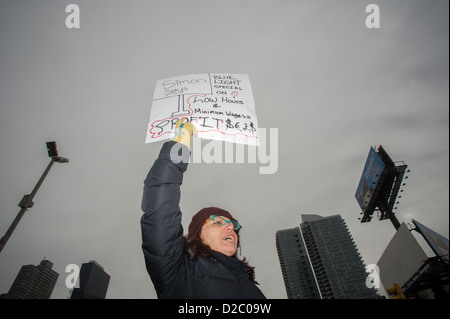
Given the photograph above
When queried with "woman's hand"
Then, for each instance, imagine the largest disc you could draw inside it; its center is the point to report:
(184, 131)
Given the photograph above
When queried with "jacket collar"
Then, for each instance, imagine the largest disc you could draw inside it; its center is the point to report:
(230, 262)
(234, 264)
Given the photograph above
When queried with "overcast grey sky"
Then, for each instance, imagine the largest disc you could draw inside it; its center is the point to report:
(332, 87)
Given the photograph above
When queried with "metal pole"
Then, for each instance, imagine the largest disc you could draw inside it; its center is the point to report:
(27, 202)
(384, 207)
(394, 219)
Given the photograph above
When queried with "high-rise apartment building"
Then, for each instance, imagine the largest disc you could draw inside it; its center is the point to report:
(34, 282)
(297, 273)
(338, 269)
(94, 282)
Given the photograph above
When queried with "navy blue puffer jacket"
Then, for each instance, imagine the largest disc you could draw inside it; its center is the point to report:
(173, 274)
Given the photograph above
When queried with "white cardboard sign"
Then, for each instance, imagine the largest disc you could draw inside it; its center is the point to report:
(219, 105)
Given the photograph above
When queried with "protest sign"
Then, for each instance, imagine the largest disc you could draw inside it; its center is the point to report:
(219, 105)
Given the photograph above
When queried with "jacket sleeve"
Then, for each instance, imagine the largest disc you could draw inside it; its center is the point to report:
(162, 232)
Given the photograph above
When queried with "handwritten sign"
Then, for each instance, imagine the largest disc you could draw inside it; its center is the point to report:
(220, 106)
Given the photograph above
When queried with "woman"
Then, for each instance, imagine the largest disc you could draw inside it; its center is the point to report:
(204, 263)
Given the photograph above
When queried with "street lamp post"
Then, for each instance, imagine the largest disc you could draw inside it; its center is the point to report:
(27, 200)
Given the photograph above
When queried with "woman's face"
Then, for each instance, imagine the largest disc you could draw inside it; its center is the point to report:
(220, 238)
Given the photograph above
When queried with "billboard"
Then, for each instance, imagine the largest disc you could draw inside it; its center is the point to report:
(438, 243)
(369, 179)
(402, 257)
